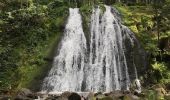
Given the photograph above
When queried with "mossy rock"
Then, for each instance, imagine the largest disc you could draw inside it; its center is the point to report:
(154, 95)
(106, 98)
(134, 29)
(130, 97)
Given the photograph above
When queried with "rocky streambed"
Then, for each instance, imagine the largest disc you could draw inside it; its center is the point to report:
(154, 93)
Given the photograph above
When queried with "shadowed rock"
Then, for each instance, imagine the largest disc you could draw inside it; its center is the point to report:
(74, 96)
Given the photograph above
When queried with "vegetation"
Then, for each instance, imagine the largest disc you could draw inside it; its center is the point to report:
(152, 30)
(28, 28)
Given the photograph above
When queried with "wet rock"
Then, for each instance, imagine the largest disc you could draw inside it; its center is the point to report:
(106, 98)
(33, 96)
(135, 55)
(126, 92)
(41, 95)
(138, 86)
(83, 98)
(22, 98)
(64, 95)
(130, 97)
(90, 96)
(116, 94)
(52, 97)
(99, 95)
(84, 94)
(122, 95)
(139, 94)
(74, 96)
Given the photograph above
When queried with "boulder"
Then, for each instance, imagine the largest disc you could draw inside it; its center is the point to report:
(115, 94)
(130, 97)
(42, 95)
(99, 95)
(126, 92)
(64, 95)
(106, 98)
(52, 97)
(74, 96)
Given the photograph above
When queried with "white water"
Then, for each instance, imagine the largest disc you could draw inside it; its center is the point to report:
(67, 71)
(106, 67)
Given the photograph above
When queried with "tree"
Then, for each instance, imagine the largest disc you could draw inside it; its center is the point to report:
(158, 17)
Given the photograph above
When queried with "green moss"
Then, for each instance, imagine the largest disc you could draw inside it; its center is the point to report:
(103, 9)
(86, 11)
(138, 19)
(33, 67)
(24, 65)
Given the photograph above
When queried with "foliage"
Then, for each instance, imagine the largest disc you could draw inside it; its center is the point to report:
(86, 11)
(161, 71)
(27, 30)
(141, 21)
(153, 95)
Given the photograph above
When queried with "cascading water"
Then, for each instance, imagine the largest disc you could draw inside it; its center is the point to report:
(106, 68)
(67, 71)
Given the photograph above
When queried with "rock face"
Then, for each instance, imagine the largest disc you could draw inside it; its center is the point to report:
(164, 44)
(135, 56)
(134, 52)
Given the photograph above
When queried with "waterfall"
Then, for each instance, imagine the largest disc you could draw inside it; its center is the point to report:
(107, 67)
(67, 71)
(104, 67)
